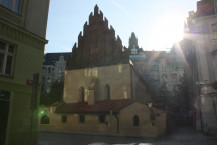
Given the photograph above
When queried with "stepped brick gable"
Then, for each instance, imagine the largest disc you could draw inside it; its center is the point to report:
(98, 45)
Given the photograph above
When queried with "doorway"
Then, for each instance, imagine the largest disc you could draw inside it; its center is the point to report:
(4, 112)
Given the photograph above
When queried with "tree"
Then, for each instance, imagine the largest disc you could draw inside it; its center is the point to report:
(55, 95)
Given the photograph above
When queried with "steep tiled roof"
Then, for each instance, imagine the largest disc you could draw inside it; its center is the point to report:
(103, 106)
(51, 57)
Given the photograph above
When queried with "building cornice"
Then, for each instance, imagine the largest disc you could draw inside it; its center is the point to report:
(203, 16)
(20, 34)
(12, 86)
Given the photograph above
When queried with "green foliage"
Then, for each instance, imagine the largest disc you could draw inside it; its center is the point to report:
(55, 95)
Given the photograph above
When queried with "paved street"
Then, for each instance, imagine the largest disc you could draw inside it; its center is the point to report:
(182, 136)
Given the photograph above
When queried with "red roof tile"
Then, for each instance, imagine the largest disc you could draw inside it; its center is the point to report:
(103, 106)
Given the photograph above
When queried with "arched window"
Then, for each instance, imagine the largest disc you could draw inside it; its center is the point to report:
(107, 91)
(82, 94)
(135, 120)
(44, 120)
(152, 115)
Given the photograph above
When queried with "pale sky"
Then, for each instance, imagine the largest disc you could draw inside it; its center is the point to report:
(156, 23)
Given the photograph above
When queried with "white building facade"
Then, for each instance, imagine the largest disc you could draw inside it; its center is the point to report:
(53, 69)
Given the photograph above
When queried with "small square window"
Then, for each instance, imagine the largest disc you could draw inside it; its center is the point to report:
(81, 118)
(101, 118)
(64, 119)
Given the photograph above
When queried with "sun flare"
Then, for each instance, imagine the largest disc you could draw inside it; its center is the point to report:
(166, 31)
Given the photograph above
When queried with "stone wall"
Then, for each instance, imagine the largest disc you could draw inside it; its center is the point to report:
(91, 124)
(139, 90)
(125, 118)
(145, 127)
(116, 76)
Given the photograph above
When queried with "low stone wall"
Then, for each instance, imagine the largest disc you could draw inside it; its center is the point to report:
(92, 124)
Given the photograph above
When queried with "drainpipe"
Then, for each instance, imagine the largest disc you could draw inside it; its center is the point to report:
(110, 120)
(131, 82)
(117, 118)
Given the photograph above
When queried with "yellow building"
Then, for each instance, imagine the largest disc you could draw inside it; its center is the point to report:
(103, 94)
(22, 40)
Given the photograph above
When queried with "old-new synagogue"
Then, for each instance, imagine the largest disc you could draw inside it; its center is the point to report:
(103, 93)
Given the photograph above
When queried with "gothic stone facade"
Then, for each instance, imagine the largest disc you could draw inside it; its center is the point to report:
(102, 91)
(53, 69)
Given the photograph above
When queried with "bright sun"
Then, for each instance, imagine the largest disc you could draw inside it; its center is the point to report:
(167, 30)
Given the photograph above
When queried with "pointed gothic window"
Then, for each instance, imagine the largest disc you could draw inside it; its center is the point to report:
(107, 91)
(81, 118)
(81, 94)
(135, 120)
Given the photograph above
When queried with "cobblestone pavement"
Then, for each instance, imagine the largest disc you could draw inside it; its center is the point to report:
(182, 136)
